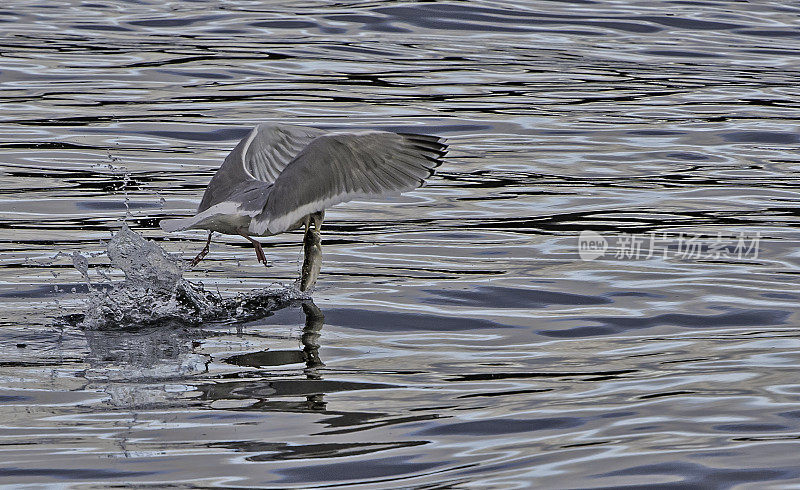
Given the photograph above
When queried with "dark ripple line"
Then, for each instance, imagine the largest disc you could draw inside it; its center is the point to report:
(565, 375)
(503, 393)
(666, 394)
(679, 179)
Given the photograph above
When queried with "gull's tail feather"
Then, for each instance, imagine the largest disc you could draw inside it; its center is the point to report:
(225, 217)
(170, 225)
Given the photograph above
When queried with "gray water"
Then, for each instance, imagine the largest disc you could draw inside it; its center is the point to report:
(456, 338)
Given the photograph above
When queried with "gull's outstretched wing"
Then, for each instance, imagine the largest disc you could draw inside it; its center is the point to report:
(339, 167)
(261, 155)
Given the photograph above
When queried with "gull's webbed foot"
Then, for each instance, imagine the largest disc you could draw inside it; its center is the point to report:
(259, 251)
(260, 254)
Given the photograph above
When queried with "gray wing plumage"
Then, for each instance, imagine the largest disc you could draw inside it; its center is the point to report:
(261, 156)
(339, 167)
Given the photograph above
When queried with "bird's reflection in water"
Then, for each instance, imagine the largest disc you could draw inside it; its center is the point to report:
(270, 394)
(309, 355)
(133, 365)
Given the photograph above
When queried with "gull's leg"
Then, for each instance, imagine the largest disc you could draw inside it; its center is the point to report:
(259, 251)
(203, 252)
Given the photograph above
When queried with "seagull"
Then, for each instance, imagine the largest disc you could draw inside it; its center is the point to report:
(281, 177)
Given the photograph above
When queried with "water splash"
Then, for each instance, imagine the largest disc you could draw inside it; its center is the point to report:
(144, 263)
(155, 292)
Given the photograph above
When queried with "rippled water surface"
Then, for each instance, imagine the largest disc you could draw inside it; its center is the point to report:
(456, 338)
